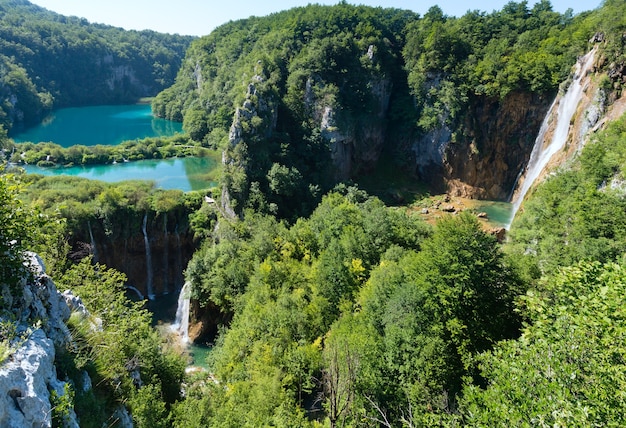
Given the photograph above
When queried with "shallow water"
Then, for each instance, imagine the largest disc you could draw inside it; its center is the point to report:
(185, 174)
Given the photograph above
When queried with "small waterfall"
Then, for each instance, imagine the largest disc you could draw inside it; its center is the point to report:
(130, 287)
(149, 273)
(542, 153)
(181, 324)
(94, 249)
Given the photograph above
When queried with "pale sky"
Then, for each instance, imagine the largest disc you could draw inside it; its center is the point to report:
(199, 17)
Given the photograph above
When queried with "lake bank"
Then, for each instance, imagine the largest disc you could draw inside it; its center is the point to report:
(93, 125)
(186, 174)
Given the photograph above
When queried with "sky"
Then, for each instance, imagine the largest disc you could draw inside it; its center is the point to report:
(199, 17)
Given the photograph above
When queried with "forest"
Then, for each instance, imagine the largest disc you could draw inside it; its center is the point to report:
(48, 60)
(329, 305)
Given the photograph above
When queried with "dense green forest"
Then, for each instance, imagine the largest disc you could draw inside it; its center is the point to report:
(335, 309)
(319, 94)
(47, 61)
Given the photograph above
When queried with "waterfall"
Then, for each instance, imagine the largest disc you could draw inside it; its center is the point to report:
(92, 241)
(166, 245)
(181, 324)
(130, 287)
(149, 274)
(564, 110)
(179, 259)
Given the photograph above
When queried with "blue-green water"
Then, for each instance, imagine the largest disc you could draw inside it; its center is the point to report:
(498, 213)
(107, 125)
(180, 173)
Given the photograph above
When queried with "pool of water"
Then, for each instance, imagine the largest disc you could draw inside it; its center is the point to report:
(199, 354)
(192, 173)
(163, 310)
(498, 213)
(107, 125)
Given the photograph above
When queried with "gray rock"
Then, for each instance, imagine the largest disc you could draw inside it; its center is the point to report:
(25, 380)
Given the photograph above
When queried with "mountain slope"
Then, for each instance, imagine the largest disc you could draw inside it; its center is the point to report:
(305, 98)
(49, 60)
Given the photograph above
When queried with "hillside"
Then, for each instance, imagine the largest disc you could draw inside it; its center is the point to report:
(306, 98)
(323, 305)
(50, 61)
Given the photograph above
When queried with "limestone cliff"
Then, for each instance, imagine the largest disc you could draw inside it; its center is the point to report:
(498, 142)
(160, 255)
(28, 377)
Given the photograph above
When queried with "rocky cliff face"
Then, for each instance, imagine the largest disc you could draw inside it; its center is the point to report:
(499, 139)
(355, 142)
(28, 377)
(170, 247)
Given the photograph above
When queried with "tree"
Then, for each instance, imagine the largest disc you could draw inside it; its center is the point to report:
(568, 367)
(19, 229)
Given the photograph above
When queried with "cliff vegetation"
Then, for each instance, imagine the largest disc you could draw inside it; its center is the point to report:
(47, 60)
(324, 306)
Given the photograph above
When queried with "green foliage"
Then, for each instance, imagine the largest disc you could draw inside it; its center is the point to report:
(61, 405)
(430, 312)
(51, 154)
(124, 355)
(148, 408)
(579, 214)
(568, 367)
(19, 229)
(48, 60)
(357, 303)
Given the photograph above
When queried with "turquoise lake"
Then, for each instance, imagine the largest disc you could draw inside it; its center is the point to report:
(180, 173)
(107, 125)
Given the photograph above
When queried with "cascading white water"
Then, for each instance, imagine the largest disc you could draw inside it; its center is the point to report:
(94, 249)
(542, 153)
(149, 273)
(165, 253)
(137, 292)
(181, 323)
(179, 259)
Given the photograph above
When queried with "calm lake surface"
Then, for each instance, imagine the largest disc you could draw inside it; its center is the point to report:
(180, 173)
(108, 125)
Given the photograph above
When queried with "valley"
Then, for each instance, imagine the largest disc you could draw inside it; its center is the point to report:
(339, 216)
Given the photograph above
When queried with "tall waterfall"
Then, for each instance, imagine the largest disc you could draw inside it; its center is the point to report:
(92, 242)
(181, 324)
(564, 110)
(179, 259)
(149, 273)
(166, 255)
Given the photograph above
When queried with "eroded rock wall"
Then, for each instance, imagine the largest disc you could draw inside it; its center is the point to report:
(28, 376)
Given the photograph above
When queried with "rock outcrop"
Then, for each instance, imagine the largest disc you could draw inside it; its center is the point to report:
(28, 377)
(485, 162)
(171, 246)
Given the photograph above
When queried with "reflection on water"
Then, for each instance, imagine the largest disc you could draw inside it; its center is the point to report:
(180, 173)
(106, 125)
